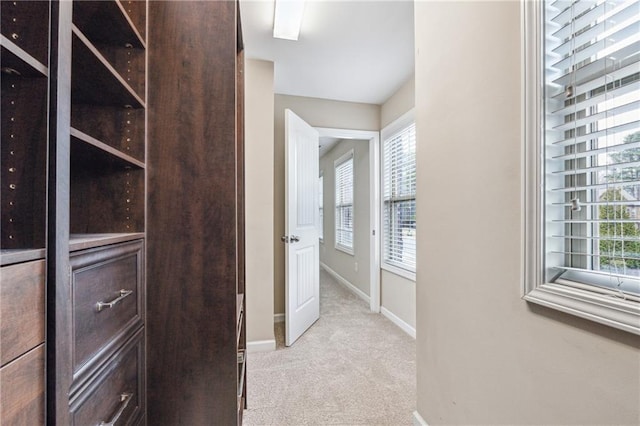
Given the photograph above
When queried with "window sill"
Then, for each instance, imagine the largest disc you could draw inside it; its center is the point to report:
(399, 271)
(603, 307)
(344, 249)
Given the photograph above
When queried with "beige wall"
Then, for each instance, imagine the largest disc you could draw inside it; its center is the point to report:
(485, 356)
(259, 198)
(318, 113)
(398, 294)
(399, 103)
(339, 261)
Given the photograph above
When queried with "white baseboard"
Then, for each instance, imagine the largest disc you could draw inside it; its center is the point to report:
(355, 290)
(418, 420)
(398, 321)
(278, 318)
(261, 346)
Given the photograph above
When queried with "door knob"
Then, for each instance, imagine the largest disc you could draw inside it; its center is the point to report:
(294, 239)
(284, 239)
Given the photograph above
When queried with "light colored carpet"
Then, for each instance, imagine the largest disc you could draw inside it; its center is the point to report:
(352, 367)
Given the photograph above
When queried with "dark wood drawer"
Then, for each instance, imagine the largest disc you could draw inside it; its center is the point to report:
(22, 390)
(108, 302)
(117, 390)
(21, 309)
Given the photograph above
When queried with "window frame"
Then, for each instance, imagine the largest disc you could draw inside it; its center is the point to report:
(321, 207)
(388, 132)
(349, 155)
(586, 301)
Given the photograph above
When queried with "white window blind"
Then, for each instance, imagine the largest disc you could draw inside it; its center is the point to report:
(399, 198)
(344, 202)
(321, 207)
(592, 143)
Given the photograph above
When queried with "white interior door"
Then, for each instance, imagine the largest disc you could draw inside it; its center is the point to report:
(302, 268)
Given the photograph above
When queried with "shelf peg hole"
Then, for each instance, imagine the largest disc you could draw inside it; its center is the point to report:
(12, 169)
(15, 36)
(128, 107)
(12, 186)
(10, 71)
(128, 45)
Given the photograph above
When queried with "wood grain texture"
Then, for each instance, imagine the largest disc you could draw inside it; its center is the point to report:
(22, 390)
(59, 369)
(22, 289)
(192, 226)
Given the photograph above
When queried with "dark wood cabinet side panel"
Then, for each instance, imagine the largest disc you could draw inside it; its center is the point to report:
(191, 233)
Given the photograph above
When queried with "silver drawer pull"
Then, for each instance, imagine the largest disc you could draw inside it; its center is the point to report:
(103, 305)
(125, 398)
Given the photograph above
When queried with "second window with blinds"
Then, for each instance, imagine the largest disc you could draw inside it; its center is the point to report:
(344, 202)
(399, 197)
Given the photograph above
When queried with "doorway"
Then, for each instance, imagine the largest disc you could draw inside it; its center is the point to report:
(350, 243)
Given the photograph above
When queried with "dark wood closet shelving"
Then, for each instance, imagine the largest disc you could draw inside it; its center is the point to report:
(11, 256)
(87, 241)
(108, 22)
(93, 152)
(24, 146)
(95, 81)
(26, 24)
(16, 61)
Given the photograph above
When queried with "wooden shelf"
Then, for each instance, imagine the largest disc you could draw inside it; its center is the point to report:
(86, 241)
(85, 148)
(94, 81)
(11, 256)
(107, 22)
(12, 57)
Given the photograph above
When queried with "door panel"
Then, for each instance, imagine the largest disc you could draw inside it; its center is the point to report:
(302, 280)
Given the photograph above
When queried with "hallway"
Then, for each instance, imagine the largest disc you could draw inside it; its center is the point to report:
(353, 367)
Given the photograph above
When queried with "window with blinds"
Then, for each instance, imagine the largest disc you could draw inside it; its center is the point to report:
(592, 143)
(399, 199)
(344, 202)
(321, 207)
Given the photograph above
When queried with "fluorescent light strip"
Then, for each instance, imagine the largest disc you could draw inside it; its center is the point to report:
(288, 19)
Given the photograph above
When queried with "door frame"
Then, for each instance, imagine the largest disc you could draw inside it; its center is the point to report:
(374, 203)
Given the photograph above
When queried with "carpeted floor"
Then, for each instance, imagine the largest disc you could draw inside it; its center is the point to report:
(352, 367)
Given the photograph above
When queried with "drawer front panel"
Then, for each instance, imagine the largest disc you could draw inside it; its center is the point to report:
(117, 392)
(107, 301)
(21, 309)
(22, 390)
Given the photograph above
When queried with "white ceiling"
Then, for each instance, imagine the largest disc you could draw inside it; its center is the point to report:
(357, 51)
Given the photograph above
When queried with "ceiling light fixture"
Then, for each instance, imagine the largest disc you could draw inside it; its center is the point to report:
(288, 19)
